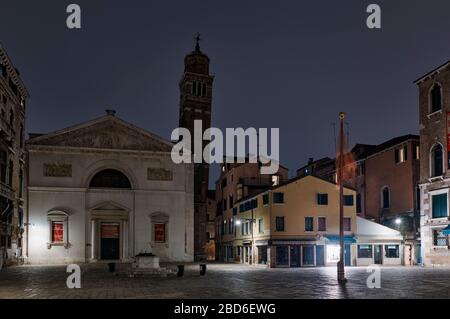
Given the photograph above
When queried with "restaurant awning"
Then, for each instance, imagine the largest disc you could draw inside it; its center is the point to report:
(446, 230)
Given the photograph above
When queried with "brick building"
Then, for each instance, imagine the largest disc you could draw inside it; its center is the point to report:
(237, 181)
(434, 108)
(13, 95)
(196, 87)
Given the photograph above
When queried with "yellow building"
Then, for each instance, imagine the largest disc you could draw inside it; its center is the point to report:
(295, 225)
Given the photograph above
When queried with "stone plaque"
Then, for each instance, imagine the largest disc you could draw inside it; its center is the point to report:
(58, 170)
(159, 174)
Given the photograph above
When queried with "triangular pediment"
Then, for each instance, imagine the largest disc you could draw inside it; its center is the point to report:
(108, 207)
(108, 132)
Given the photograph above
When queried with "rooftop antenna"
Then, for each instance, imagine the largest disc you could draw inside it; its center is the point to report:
(333, 124)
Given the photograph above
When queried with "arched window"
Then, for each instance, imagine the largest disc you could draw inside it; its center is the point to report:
(435, 98)
(110, 178)
(437, 160)
(385, 198)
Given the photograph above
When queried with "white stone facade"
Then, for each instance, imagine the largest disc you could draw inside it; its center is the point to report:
(60, 190)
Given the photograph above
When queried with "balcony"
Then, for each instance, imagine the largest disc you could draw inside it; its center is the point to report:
(5, 129)
(6, 191)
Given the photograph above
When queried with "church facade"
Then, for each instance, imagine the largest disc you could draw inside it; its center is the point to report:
(106, 190)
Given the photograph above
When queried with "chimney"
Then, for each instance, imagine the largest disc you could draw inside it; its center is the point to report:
(111, 112)
(310, 160)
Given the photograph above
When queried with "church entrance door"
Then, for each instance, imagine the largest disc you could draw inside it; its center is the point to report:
(110, 241)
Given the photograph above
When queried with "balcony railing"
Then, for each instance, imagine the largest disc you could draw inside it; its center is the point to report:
(6, 191)
(5, 128)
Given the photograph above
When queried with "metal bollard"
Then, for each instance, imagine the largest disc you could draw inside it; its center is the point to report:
(202, 269)
(180, 272)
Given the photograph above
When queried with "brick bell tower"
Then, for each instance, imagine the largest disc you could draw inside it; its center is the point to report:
(195, 104)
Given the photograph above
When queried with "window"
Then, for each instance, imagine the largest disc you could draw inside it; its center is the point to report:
(265, 199)
(235, 210)
(11, 118)
(110, 178)
(159, 231)
(439, 205)
(401, 154)
(261, 225)
(230, 199)
(255, 203)
(246, 228)
(392, 251)
(348, 200)
(58, 224)
(364, 251)
(57, 232)
(347, 224)
(385, 198)
(275, 180)
(439, 239)
(160, 225)
(282, 255)
(322, 224)
(241, 208)
(358, 203)
(279, 223)
(224, 202)
(416, 151)
(3, 165)
(309, 223)
(435, 98)
(322, 199)
(10, 173)
(360, 170)
(436, 160)
(278, 198)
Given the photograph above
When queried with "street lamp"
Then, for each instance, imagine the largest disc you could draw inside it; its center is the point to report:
(341, 265)
(398, 221)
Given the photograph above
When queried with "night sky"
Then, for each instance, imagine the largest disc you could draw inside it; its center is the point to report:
(287, 64)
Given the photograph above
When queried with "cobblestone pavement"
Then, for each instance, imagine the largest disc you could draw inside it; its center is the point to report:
(227, 281)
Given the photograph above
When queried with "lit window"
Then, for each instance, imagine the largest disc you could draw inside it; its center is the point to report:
(57, 232)
(392, 251)
(401, 154)
(364, 251)
(160, 233)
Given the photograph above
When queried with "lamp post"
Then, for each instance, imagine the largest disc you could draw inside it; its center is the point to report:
(341, 263)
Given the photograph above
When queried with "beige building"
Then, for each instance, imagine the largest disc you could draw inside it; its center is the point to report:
(237, 181)
(297, 225)
(13, 95)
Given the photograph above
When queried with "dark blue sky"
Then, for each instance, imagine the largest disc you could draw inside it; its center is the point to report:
(287, 64)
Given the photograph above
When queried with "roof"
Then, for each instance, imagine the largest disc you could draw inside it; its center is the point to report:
(369, 228)
(292, 180)
(13, 72)
(436, 70)
(109, 117)
(392, 142)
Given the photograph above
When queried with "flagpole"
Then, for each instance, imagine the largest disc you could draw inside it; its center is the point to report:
(341, 263)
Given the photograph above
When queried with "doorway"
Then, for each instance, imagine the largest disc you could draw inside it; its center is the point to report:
(110, 241)
(378, 254)
(295, 256)
(308, 255)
